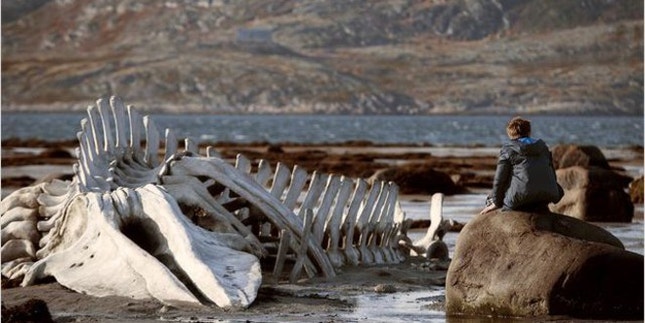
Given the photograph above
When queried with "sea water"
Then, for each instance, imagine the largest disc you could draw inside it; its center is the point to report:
(603, 131)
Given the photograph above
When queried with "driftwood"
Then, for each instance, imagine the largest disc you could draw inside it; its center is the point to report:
(187, 228)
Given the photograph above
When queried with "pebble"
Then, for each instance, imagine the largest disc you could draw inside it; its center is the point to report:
(384, 289)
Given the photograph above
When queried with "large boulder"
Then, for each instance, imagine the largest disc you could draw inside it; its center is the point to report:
(531, 265)
(592, 177)
(574, 155)
(594, 194)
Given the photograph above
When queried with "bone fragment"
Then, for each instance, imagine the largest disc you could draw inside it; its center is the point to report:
(435, 232)
(333, 227)
(302, 251)
(349, 223)
(17, 248)
(18, 214)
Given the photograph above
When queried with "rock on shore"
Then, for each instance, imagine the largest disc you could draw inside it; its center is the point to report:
(593, 191)
(531, 265)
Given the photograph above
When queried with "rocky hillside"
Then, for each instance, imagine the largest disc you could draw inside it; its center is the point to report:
(333, 56)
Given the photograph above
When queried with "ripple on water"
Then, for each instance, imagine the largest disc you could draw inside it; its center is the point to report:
(398, 307)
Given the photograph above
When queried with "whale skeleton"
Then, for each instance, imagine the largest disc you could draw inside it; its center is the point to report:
(182, 227)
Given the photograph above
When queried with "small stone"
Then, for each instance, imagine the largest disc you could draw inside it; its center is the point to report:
(384, 289)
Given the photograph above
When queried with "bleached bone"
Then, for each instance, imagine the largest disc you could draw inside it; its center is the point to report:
(322, 195)
(16, 249)
(370, 250)
(25, 197)
(17, 267)
(144, 230)
(107, 165)
(332, 226)
(21, 230)
(180, 227)
(386, 226)
(400, 232)
(328, 196)
(18, 213)
(281, 255)
(322, 213)
(244, 185)
(349, 223)
(21, 206)
(298, 179)
(432, 245)
(362, 223)
(190, 191)
(297, 182)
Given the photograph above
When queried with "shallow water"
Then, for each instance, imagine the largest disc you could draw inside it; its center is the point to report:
(463, 207)
(406, 307)
(397, 307)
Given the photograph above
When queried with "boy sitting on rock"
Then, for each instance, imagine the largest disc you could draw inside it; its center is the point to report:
(525, 179)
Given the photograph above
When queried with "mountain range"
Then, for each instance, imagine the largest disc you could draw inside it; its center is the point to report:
(326, 57)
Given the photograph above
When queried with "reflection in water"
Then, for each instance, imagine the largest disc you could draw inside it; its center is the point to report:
(398, 307)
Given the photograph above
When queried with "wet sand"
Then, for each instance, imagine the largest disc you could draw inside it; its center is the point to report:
(314, 300)
(355, 294)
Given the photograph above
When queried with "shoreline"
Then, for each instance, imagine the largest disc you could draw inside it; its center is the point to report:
(470, 167)
(72, 142)
(341, 299)
(352, 296)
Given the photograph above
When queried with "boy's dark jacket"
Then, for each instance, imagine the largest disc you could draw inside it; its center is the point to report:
(525, 175)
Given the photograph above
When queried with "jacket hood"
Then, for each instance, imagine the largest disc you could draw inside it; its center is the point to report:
(527, 146)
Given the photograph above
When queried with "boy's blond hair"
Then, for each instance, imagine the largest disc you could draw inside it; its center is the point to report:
(518, 128)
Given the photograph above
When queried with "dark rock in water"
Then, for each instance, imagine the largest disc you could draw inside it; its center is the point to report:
(18, 181)
(573, 155)
(55, 153)
(33, 310)
(418, 179)
(594, 194)
(529, 265)
(437, 250)
(275, 148)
